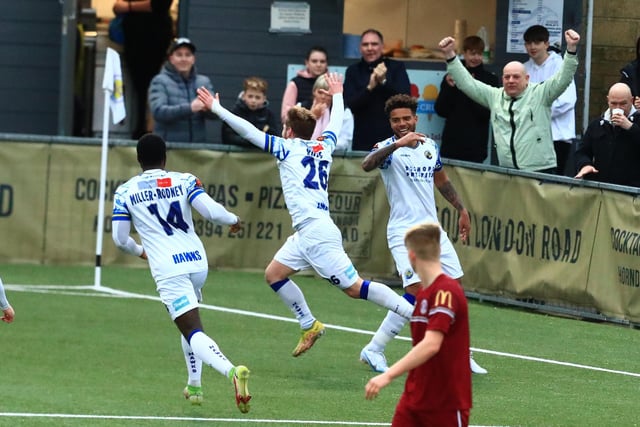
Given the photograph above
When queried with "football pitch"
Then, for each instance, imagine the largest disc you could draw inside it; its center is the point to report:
(80, 356)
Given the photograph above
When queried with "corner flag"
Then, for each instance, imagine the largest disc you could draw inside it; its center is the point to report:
(114, 101)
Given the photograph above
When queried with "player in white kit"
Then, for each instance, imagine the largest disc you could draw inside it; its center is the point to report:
(316, 243)
(159, 204)
(410, 166)
(8, 313)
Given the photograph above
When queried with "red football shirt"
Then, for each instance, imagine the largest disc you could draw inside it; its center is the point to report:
(444, 381)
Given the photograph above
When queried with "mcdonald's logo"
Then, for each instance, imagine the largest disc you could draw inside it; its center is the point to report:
(443, 298)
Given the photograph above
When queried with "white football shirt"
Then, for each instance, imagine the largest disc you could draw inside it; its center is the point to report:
(304, 165)
(159, 204)
(407, 175)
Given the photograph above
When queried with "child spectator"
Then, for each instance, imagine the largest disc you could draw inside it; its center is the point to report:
(252, 105)
(466, 127)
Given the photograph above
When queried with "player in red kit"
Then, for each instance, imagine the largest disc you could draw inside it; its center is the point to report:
(438, 387)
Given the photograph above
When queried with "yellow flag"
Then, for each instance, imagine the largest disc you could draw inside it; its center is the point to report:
(112, 82)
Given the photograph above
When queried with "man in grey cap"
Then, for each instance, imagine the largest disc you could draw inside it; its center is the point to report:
(177, 113)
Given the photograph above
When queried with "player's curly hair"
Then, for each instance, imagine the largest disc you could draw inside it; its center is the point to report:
(401, 101)
(152, 150)
(301, 121)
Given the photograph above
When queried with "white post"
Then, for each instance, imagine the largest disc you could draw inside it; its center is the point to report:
(103, 182)
(587, 68)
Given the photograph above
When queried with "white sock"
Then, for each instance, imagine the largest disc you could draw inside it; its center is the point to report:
(293, 298)
(388, 329)
(386, 297)
(207, 350)
(194, 364)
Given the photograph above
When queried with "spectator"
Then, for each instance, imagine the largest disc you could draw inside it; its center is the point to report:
(321, 109)
(178, 114)
(520, 111)
(252, 105)
(543, 64)
(466, 127)
(148, 30)
(438, 388)
(367, 86)
(7, 311)
(299, 91)
(630, 75)
(610, 148)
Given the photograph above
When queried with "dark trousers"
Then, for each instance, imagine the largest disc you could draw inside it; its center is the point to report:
(562, 148)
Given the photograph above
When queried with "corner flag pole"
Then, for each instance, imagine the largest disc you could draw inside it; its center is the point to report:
(114, 101)
(103, 180)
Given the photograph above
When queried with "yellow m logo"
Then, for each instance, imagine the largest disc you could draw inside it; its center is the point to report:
(443, 298)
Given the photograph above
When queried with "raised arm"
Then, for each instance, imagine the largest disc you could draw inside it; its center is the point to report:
(334, 80)
(478, 91)
(562, 79)
(572, 38)
(242, 127)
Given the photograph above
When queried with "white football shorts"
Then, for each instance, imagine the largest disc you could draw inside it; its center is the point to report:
(181, 293)
(318, 245)
(448, 258)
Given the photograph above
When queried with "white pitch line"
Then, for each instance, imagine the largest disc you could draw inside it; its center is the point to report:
(123, 294)
(157, 418)
(225, 420)
(557, 362)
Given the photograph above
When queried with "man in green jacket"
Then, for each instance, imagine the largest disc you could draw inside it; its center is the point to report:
(520, 111)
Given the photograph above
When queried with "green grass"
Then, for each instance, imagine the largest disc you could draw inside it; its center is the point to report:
(87, 354)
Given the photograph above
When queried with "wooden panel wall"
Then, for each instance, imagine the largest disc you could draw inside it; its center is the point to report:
(234, 42)
(30, 66)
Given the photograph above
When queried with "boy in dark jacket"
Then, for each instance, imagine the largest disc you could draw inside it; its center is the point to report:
(466, 128)
(252, 105)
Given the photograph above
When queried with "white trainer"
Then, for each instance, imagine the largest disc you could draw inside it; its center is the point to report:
(475, 368)
(375, 359)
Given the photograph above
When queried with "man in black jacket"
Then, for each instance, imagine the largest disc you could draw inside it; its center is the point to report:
(367, 86)
(610, 148)
(466, 130)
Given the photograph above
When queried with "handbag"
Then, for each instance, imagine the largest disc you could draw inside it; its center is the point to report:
(116, 30)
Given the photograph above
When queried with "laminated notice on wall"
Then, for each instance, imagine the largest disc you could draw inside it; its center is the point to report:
(525, 13)
(290, 17)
